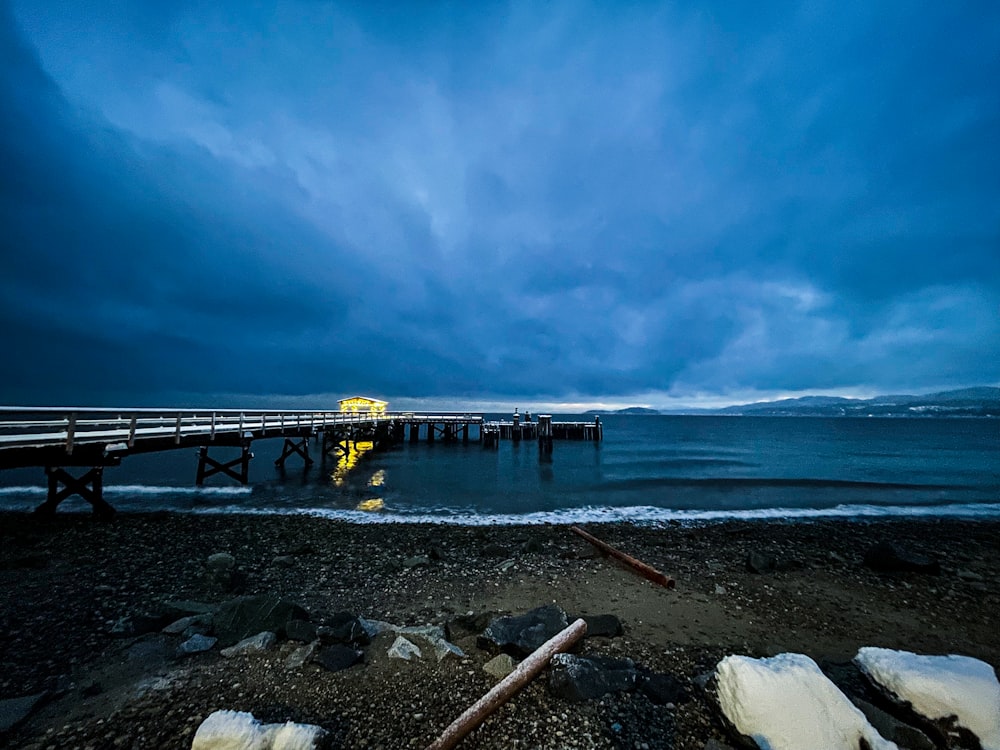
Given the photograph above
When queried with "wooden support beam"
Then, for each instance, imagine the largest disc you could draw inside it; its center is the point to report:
(414, 432)
(504, 690)
(208, 466)
(291, 448)
(90, 487)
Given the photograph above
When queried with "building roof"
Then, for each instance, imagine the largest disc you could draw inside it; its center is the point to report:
(362, 398)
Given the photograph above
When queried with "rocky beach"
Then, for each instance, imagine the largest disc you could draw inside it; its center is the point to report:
(113, 633)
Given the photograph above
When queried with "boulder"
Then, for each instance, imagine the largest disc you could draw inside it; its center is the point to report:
(248, 615)
(662, 688)
(344, 627)
(770, 699)
(955, 695)
(579, 678)
(519, 636)
(301, 656)
(758, 562)
(239, 730)
(255, 644)
(189, 625)
(887, 558)
(131, 626)
(300, 630)
(337, 657)
(15, 710)
(403, 649)
(468, 624)
(196, 644)
(417, 561)
(500, 666)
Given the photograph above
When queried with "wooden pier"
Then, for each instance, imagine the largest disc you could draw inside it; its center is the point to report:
(90, 440)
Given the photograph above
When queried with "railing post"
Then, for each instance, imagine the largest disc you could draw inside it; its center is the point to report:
(241, 424)
(177, 430)
(212, 433)
(131, 431)
(70, 432)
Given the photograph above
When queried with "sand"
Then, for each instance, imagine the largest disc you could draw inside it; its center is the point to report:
(64, 582)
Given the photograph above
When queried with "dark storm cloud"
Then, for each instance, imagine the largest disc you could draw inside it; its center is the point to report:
(563, 202)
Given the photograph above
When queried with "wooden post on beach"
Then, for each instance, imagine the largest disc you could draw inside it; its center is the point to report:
(504, 690)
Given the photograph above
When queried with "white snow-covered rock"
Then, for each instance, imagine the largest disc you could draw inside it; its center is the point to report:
(939, 687)
(786, 703)
(403, 649)
(239, 730)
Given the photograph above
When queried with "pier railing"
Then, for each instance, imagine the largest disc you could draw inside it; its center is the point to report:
(61, 427)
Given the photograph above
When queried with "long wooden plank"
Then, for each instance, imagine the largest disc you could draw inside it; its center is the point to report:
(504, 690)
(646, 571)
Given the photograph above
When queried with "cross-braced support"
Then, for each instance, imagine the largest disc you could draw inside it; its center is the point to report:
(291, 448)
(208, 466)
(335, 442)
(90, 487)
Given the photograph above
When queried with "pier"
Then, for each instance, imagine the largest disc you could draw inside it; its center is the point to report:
(75, 445)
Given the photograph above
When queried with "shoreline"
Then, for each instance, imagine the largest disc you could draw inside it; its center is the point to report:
(65, 581)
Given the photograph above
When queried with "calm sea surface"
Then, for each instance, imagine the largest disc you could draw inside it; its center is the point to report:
(648, 468)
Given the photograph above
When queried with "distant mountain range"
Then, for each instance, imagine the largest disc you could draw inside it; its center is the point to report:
(967, 402)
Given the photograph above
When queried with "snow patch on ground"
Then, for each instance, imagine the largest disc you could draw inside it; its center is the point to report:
(786, 703)
(939, 687)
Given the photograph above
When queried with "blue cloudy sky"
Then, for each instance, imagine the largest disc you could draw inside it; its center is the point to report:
(559, 203)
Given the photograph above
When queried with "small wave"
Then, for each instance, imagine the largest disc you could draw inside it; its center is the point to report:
(644, 483)
(136, 489)
(643, 515)
(23, 491)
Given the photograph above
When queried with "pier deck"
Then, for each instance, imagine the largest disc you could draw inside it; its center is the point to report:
(59, 438)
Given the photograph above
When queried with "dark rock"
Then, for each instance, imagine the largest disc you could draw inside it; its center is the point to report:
(662, 688)
(337, 657)
(15, 710)
(435, 553)
(893, 729)
(175, 610)
(283, 561)
(714, 744)
(343, 627)
(221, 573)
(196, 644)
(758, 562)
(300, 630)
(131, 626)
(532, 545)
(519, 636)
(248, 615)
(887, 558)
(579, 678)
(494, 550)
(606, 626)
(467, 624)
(417, 561)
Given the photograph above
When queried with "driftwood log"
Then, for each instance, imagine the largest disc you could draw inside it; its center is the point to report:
(506, 688)
(646, 571)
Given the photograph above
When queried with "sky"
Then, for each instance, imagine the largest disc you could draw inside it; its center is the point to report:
(467, 203)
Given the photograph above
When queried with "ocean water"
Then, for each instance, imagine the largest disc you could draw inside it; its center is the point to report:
(647, 469)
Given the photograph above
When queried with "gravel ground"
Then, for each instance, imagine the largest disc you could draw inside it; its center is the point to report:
(66, 581)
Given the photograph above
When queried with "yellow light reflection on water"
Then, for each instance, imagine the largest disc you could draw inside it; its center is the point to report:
(374, 504)
(346, 462)
(378, 479)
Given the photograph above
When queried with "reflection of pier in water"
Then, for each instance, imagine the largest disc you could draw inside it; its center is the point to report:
(92, 440)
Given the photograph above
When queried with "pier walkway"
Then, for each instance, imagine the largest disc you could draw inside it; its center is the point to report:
(58, 439)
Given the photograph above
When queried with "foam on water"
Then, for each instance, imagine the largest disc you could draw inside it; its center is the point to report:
(643, 515)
